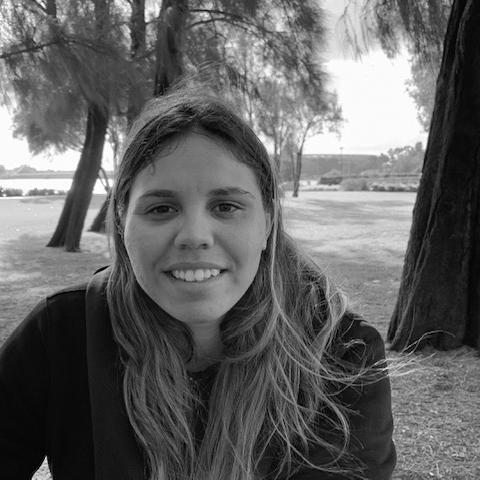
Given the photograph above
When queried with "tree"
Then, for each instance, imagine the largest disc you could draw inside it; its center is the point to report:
(70, 225)
(421, 87)
(404, 160)
(289, 112)
(285, 107)
(439, 298)
(65, 64)
(274, 115)
(170, 44)
(136, 96)
(310, 119)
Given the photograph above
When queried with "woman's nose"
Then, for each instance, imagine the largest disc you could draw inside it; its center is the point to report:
(194, 232)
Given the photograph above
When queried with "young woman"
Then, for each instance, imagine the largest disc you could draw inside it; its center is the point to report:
(212, 347)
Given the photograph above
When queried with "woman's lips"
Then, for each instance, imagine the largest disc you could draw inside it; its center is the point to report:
(195, 276)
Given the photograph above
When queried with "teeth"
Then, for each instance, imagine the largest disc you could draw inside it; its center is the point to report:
(196, 275)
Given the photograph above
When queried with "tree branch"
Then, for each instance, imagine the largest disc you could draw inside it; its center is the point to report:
(33, 48)
(235, 19)
(211, 20)
(217, 12)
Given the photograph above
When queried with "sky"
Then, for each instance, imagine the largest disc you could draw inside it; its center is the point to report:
(379, 114)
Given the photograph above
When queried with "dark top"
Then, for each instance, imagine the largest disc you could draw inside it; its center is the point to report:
(61, 396)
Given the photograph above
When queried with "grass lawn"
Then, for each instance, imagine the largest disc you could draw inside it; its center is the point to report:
(360, 239)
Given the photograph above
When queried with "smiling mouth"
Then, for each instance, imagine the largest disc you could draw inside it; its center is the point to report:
(196, 276)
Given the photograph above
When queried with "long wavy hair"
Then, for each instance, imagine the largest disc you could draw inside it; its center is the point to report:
(272, 396)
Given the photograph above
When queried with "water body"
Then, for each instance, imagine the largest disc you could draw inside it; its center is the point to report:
(26, 184)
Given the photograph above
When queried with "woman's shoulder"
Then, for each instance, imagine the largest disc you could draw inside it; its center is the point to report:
(69, 303)
(62, 311)
(357, 340)
(57, 317)
(354, 326)
(67, 297)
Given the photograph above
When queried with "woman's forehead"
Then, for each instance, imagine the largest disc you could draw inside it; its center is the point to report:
(198, 162)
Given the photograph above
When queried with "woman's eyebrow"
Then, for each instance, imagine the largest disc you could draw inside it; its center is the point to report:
(222, 191)
(158, 193)
(225, 191)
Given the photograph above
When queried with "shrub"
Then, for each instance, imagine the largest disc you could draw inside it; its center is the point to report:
(333, 173)
(330, 180)
(10, 192)
(36, 192)
(393, 187)
(333, 177)
(354, 184)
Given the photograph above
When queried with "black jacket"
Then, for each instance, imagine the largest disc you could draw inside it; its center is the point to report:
(61, 396)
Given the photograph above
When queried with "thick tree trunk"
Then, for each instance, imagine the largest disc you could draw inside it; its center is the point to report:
(70, 225)
(439, 297)
(170, 41)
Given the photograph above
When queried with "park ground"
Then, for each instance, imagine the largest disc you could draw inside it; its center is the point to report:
(360, 239)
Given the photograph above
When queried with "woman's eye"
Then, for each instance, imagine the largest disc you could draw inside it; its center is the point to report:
(161, 210)
(226, 208)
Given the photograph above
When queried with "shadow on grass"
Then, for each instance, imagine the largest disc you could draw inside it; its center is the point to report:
(43, 200)
(331, 212)
(30, 271)
(96, 201)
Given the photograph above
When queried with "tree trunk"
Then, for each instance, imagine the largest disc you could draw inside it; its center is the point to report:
(70, 225)
(136, 94)
(276, 153)
(297, 173)
(439, 297)
(170, 41)
(98, 224)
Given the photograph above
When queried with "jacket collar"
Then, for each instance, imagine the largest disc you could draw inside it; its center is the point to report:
(116, 453)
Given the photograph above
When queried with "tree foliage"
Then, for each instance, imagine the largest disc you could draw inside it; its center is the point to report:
(420, 26)
(421, 87)
(58, 58)
(404, 160)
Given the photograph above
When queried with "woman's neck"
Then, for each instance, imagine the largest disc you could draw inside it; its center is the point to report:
(208, 348)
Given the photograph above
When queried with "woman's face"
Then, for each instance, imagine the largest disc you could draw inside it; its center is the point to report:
(195, 229)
